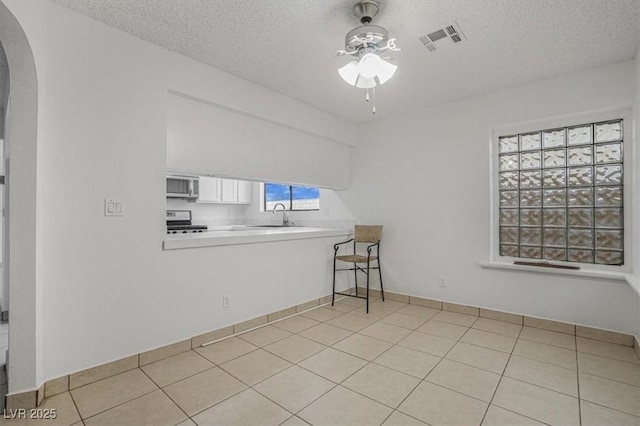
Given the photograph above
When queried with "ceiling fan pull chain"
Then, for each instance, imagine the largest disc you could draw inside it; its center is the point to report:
(373, 96)
(367, 97)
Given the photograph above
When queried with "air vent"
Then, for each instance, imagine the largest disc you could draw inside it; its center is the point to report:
(451, 32)
(437, 35)
(427, 43)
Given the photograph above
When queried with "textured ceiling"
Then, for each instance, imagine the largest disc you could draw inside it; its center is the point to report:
(289, 45)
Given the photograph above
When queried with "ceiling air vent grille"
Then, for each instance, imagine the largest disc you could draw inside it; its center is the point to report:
(427, 43)
(451, 32)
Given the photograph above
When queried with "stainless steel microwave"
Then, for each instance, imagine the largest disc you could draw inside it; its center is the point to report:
(182, 187)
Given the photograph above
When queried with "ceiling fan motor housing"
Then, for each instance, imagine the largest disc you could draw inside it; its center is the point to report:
(365, 10)
(373, 34)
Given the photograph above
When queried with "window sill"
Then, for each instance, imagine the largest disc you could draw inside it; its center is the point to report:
(634, 282)
(587, 273)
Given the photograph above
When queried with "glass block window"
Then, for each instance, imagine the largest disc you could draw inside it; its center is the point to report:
(560, 194)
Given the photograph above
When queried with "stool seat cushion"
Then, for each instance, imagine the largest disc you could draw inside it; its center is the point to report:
(355, 258)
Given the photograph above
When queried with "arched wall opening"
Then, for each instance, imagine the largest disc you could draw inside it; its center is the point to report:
(25, 349)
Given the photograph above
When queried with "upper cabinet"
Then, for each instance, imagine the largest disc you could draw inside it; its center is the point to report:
(244, 191)
(209, 190)
(224, 191)
(229, 190)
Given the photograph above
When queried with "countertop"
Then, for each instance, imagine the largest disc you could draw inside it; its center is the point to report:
(232, 235)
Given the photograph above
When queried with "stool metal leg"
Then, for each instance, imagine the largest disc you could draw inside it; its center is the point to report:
(355, 276)
(333, 295)
(380, 272)
(367, 285)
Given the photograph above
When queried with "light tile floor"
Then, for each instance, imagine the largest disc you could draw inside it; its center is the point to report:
(399, 365)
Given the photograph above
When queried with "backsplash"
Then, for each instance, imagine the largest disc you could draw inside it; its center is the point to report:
(210, 214)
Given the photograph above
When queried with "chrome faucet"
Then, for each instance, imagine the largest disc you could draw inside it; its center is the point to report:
(285, 219)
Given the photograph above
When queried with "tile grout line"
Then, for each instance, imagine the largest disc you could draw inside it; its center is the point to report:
(267, 378)
(375, 338)
(219, 402)
(538, 385)
(501, 376)
(75, 405)
(608, 357)
(603, 341)
(168, 396)
(120, 404)
(606, 406)
(258, 327)
(431, 370)
(613, 409)
(637, 365)
(548, 344)
(296, 416)
(575, 339)
(566, 368)
(367, 362)
(345, 379)
(335, 385)
(214, 365)
(531, 384)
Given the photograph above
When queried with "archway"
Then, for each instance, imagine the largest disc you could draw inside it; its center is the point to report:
(25, 349)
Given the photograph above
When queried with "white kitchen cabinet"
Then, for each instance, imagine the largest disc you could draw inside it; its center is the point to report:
(244, 191)
(224, 191)
(229, 192)
(210, 189)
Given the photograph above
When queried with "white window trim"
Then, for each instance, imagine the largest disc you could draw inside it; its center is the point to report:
(611, 272)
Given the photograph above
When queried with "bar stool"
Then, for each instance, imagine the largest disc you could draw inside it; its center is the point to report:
(370, 234)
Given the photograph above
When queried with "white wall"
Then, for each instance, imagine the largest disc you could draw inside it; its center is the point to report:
(108, 289)
(237, 144)
(425, 177)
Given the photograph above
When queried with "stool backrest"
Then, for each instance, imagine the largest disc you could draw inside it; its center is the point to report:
(367, 233)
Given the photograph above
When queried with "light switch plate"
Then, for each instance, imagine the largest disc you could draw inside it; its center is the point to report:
(113, 207)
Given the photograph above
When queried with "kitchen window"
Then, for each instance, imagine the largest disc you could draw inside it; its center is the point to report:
(293, 197)
(560, 193)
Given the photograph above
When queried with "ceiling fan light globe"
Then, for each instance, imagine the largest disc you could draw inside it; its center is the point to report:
(386, 71)
(365, 82)
(349, 73)
(370, 65)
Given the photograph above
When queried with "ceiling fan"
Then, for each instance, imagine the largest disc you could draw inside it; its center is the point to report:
(366, 44)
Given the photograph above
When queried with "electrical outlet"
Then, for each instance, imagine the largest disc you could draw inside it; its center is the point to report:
(443, 282)
(226, 302)
(326, 212)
